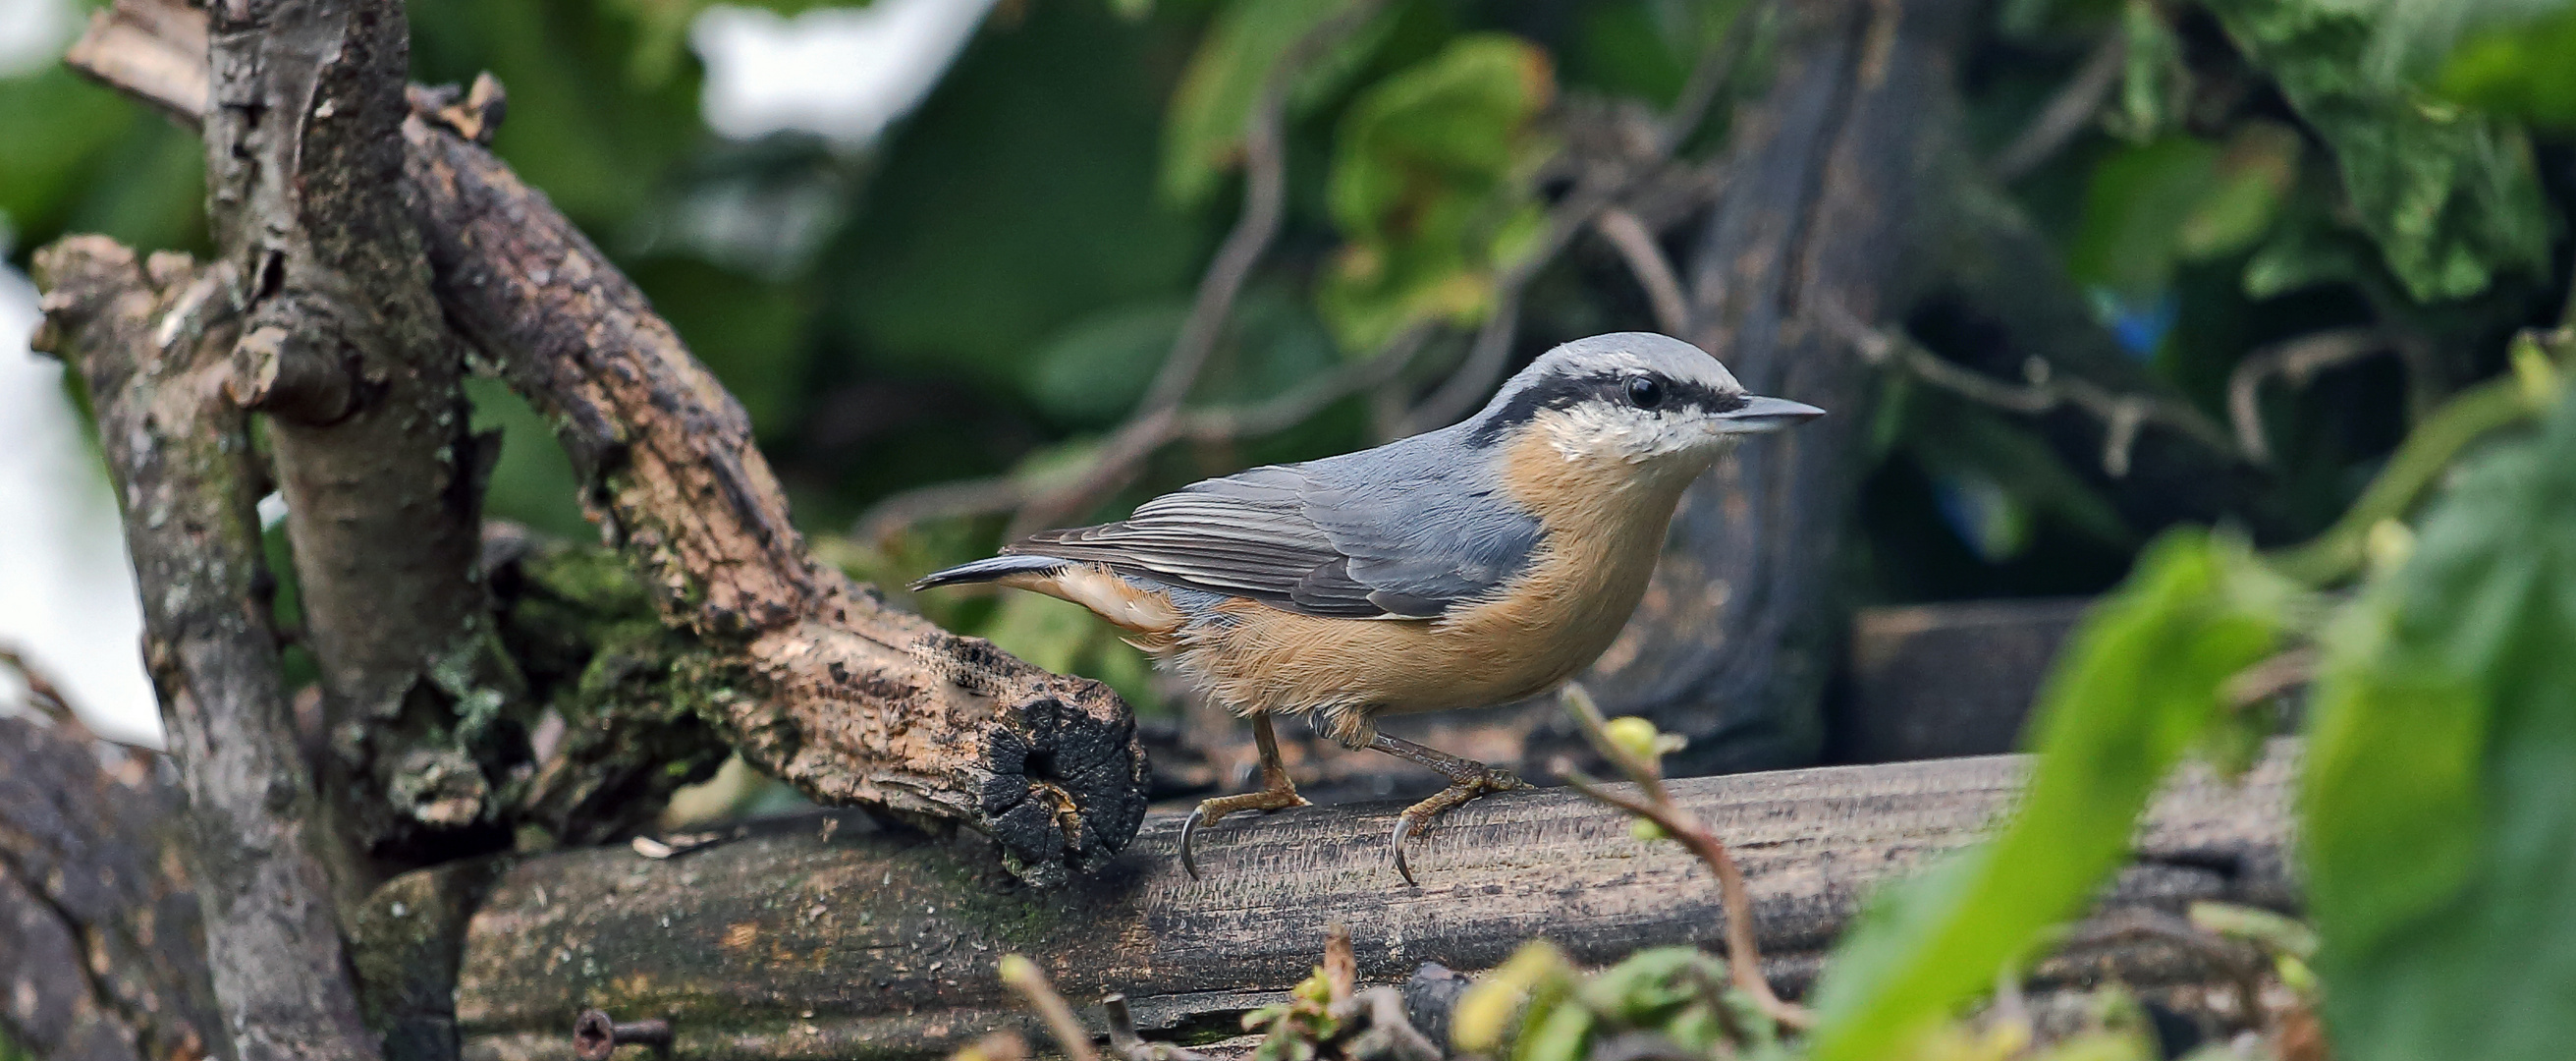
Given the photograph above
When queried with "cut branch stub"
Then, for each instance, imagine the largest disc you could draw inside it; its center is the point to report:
(277, 372)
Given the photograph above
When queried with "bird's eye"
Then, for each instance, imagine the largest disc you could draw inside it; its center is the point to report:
(1645, 392)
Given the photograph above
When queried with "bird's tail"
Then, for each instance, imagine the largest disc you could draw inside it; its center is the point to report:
(995, 568)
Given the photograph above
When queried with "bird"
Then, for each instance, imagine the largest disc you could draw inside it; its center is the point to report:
(1473, 565)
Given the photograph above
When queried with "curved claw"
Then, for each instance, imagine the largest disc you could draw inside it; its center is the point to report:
(1403, 827)
(1189, 828)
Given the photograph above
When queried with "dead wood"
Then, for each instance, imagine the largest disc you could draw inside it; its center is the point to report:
(98, 918)
(818, 938)
(810, 677)
(153, 345)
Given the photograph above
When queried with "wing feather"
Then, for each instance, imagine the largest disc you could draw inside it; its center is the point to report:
(1391, 533)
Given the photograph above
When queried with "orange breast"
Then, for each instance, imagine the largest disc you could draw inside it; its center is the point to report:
(1604, 523)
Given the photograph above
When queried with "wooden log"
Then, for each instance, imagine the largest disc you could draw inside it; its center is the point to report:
(811, 678)
(822, 939)
(103, 945)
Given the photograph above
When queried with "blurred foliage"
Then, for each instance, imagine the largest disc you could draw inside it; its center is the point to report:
(2138, 686)
(1431, 185)
(2440, 842)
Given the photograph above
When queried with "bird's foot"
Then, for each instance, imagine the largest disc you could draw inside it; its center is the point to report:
(1278, 797)
(1482, 780)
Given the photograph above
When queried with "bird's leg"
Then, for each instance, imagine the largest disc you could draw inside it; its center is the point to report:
(1277, 792)
(1468, 779)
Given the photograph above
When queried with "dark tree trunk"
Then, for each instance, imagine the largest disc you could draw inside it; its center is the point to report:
(1745, 619)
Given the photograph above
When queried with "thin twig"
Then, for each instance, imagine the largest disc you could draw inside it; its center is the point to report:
(1647, 263)
(1124, 1041)
(1265, 195)
(2122, 414)
(43, 695)
(2271, 677)
(1708, 77)
(1743, 951)
(1023, 976)
(2066, 114)
(963, 497)
(2298, 361)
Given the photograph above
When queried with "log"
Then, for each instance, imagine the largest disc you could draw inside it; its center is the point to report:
(811, 678)
(105, 949)
(819, 938)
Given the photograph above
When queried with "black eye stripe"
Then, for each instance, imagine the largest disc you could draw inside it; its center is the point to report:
(1561, 392)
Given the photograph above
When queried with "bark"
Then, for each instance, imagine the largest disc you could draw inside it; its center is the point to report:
(813, 679)
(98, 915)
(811, 941)
(152, 345)
(343, 345)
(1744, 621)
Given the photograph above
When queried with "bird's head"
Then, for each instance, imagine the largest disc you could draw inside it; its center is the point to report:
(1634, 397)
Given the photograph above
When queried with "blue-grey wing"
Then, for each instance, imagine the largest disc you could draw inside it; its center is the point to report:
(1393, 532)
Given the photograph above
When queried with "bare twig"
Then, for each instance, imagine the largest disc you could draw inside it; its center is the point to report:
(1647, 263)
(1111, 470)
(1265, 194)
(43, 696)
(1708, 77)
(2066, 114)
(2122, 414)
(1023, 976)
(1743, 952)
(2298, 361)
(1124, 1041)
(2272, 677)
(962, 497)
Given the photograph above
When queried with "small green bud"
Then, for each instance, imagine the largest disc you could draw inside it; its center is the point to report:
(1634, 735)
(1647, 831)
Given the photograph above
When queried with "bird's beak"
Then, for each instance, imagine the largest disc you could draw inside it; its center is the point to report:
(1765, 414)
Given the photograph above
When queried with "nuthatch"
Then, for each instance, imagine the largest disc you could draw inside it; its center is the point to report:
(1474, 565)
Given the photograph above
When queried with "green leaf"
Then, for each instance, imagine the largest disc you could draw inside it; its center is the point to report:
(1203, 135)
(2518, 70)
(2128, 241)
(2440, 830)
(2448, 194)
(2247, 184)
(2137, 686)
(1430, 186)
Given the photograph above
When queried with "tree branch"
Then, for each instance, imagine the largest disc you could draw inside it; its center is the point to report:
(152, 345)
(343, 345)
(812, 679)
(2066, 114)
(2296, 360)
